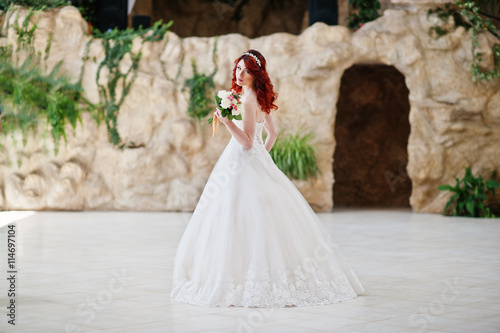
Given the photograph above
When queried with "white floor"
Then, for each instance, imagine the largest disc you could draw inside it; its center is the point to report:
(111, 272)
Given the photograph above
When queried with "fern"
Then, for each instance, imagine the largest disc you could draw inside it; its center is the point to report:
(31, 98)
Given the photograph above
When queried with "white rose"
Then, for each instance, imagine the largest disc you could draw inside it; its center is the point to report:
(225, 103)
(222, 94)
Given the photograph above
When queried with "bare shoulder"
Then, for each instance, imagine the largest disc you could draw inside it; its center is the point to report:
(251, 100)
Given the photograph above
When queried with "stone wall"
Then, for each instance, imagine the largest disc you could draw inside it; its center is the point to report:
(454, 123)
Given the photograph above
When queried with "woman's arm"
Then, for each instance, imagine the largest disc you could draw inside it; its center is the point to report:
(244, 137)
(272, 132)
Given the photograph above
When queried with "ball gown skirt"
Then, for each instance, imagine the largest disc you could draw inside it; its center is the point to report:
(254, 241)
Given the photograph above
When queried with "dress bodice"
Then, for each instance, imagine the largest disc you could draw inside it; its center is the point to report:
(258, 149)
(257, 139)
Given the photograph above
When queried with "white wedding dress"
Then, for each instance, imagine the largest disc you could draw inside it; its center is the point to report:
(254, 241)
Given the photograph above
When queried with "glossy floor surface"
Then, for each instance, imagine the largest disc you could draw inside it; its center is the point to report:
(111, 272)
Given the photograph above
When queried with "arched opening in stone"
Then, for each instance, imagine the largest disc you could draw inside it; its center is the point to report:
(371, 133)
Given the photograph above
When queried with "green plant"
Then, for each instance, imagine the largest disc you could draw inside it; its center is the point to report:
(200, 90)
(87, 8)
(367, 11)
(470, 10)
(25, 34)
(488, 6)
(163, 65)
(200, 86)
(469, 196)
(30, 97)
(34, 4)
(444, 14)
(117, 44)
(48, 46)
(295, 156)
(467, 13)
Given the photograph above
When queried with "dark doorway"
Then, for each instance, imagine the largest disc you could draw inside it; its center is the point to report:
(371, 133)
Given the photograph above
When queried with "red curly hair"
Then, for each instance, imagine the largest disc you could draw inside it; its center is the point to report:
(262, 84)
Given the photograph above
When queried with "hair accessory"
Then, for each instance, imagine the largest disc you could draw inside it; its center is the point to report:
(253, 56)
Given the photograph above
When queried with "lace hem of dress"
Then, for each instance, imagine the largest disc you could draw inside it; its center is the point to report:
(297, 288)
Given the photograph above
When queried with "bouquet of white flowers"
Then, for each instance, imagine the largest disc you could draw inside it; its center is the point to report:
(230, 105)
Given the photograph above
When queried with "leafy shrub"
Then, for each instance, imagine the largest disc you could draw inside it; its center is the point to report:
(469, 196)
(367, 11)
(295, 156)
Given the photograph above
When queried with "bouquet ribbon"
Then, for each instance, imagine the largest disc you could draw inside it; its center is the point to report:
(215, 125)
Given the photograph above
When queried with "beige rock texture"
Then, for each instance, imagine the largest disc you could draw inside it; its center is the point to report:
(454, 122)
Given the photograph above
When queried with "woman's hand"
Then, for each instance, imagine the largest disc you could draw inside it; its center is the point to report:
(222, 119)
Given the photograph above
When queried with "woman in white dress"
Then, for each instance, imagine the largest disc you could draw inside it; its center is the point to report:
(253, 240)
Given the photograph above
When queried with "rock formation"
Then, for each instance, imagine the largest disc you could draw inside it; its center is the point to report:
(454, 122)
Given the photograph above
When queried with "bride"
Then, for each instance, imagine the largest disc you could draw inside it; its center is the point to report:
(253, 240)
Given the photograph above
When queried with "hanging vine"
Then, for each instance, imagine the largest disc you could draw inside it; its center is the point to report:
(31, 97)
(175, 80)
(52, 98)
(117, 44)
(200, 86)
(48, 46)
(466, 13)
(470, 10)
(25, 34)
(444, 14)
